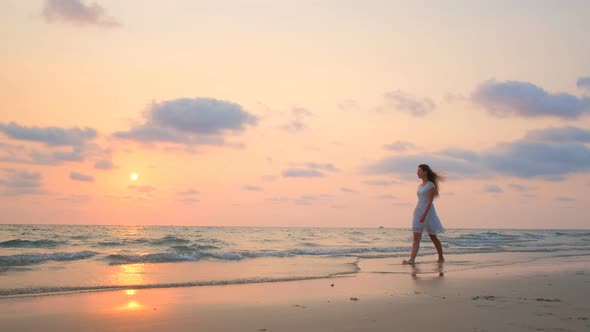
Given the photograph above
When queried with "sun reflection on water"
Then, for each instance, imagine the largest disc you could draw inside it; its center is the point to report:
(129, 275)
(133, 305)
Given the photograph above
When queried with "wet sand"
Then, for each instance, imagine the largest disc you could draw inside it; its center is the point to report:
(538, 295)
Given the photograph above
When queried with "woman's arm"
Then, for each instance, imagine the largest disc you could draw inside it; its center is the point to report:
(428, 203)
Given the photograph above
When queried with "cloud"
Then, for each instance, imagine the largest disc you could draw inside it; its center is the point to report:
(518, 187)
(78, 13)
(564, 199)
(76, 154)
(252, 188)
(142, 189)
(104, 164)
(74, 198)
(188, 192)
(349, 190)
(525, 99)
(36, 157)
(560, 134)
(188, 196)
(302, 173)
(51, 136)
(492, 188)
(65, 144)
(199, 121)
(305, 202)
(460, 154)
(403, 102)
(540, 156)
(200, 116)
(324, 167)
(583, 82)
(22, 179)
(529, 159)
(399, 146)
(81, 177)
(380, 183)
(308, 170)
(311, 199)
(11, 147)
(189, 200)
(552, 153)
(22, 182)
(297, 125)
(294, 126)
(277, 200)
(12, 152)
(148, 133)
(385, 196)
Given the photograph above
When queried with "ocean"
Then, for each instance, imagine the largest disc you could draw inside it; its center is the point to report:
(54, 259)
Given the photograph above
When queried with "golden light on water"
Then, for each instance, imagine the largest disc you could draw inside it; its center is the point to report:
(134, 305)
(129, 275)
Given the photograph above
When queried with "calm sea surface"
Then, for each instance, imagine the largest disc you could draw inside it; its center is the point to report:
(40, 259)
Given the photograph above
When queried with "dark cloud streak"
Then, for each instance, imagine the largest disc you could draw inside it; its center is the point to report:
(302, 173)
(81, 177)
(22, 182)
(51, 136)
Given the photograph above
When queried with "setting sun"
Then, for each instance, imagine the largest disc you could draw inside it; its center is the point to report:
(134, 176)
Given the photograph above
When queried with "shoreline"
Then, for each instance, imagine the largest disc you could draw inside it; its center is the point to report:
(543, 294)
(386, 265)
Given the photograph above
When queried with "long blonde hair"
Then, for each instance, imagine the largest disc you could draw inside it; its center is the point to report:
(433, 177)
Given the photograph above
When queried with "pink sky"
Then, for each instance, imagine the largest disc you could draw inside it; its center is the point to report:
(294, 113)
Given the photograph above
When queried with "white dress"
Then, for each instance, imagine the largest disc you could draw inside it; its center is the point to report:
(431, 224)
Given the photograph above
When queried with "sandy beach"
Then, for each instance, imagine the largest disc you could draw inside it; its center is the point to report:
(537, 295)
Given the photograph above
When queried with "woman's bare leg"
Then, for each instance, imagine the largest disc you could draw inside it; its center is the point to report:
(438, 247)
(415, 247)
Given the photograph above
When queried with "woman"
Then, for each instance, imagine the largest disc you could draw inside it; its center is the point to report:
(425, 218)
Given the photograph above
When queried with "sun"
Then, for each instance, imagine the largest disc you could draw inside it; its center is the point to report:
(133, 176)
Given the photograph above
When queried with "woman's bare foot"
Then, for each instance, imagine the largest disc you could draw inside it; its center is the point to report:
(408, 262)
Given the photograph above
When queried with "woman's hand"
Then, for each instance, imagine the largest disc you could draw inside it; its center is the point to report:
(428, 204)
